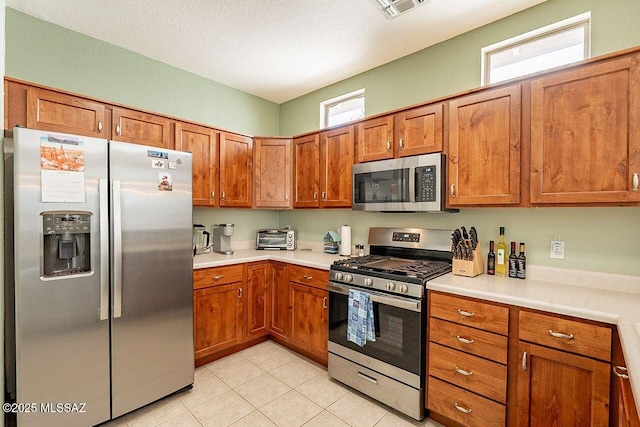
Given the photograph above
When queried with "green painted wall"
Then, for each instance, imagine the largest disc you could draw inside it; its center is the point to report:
(246, 221)
(454, 65)
(40, 52)
(596, 239)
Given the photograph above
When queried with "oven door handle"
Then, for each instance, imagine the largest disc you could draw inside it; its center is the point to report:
(393, 301)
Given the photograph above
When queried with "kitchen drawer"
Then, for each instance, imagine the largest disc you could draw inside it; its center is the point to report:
(468, 312)
(462, 406)
(470, 340)
(205, 277)
(309, 276)
(576, 337)
(486, 378)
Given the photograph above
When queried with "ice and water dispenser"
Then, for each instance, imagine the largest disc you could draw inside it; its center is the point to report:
(67, 243)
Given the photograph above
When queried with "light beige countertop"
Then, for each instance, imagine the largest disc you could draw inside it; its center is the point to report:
(604, 297)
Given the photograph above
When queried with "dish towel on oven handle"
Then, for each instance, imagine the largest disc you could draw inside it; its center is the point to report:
(360, 324)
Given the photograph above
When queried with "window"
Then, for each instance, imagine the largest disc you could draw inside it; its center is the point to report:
(551, 46)
(342, 109)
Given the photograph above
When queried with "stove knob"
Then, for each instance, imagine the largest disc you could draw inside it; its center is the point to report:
(368, 281)
(339, 275)
(348, 278)
(391, 286)
(403, 288)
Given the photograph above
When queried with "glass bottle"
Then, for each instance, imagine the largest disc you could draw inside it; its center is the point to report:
(513, 261)
(501, 257)
(522, 263)
(491, 260)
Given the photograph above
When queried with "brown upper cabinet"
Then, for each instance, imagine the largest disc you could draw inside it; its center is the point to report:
(141, 128)
(585, 134)
(236, 170)
(322, 169)
(484, 148)
(375, 139)
(272, 173)
(408, 133)
(306, 160)
(59, 112)
(336, 159)
(202, 142)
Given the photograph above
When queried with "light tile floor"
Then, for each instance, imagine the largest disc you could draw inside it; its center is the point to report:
(266, 385)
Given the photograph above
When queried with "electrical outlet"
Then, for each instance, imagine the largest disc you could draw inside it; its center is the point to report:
(557, 249)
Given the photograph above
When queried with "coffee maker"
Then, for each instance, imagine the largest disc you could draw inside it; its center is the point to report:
(200, 239)
(222, 238)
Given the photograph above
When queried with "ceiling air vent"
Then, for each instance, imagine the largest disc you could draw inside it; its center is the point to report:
(394, 8)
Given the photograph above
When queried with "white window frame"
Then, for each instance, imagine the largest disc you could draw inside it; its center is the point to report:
(583, 19)
(324, 105)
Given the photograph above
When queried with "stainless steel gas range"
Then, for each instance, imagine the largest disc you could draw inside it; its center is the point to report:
(390, 367)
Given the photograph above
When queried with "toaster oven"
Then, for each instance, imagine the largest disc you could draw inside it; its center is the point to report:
(271, 239)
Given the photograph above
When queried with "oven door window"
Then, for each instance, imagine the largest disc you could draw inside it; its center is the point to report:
(381, 186)
(399, 333)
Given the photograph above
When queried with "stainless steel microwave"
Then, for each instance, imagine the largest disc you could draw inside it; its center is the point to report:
(408, 184)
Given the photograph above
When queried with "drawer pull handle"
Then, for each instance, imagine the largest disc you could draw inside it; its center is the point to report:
(560, 335)
(218, 277)
(307, 277)
(464, 340)
(463, 372)
(466, 313)
(622, 375)
(462, 408)
(524, 360)
(367, 377)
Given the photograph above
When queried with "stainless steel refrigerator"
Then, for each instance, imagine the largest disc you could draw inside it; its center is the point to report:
(99, 293)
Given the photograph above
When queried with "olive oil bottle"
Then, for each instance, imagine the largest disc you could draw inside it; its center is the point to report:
(501, 257)
(513, 262)
(522, 263)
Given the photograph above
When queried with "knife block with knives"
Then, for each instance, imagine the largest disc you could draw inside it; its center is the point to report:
(467, 253)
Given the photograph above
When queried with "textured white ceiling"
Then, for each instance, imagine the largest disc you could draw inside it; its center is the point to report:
(275, 49)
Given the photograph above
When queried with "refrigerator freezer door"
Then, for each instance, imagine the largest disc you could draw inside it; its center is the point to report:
(152, 297)
(62, 345)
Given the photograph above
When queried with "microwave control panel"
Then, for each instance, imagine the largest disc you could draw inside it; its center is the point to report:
(426, 184)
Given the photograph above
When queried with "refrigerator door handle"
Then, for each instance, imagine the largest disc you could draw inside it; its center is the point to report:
(104, 249)
(117, 249)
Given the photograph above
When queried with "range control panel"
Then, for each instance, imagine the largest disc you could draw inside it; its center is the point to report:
(406, 237)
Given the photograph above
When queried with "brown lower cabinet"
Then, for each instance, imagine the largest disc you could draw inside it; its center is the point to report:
(537, 369)
(241, 305)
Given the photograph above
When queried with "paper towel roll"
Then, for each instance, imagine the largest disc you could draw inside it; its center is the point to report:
(345, 240)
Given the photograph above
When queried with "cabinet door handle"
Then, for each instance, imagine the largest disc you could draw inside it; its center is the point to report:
(218, 277)
(118, 129)
(524, 361)
(99, 127)
(315, 196)
(286, 197)
(452, 190)
(466, 313)
(239, 292)
(620, 374)
(213, 194)
(324, 303)
(324, 196)
(464, 340)
(463, 372)
(222, 196)
(462, 408)
(389, 146)
(560, 335)
(401, 143)
(635, 182)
